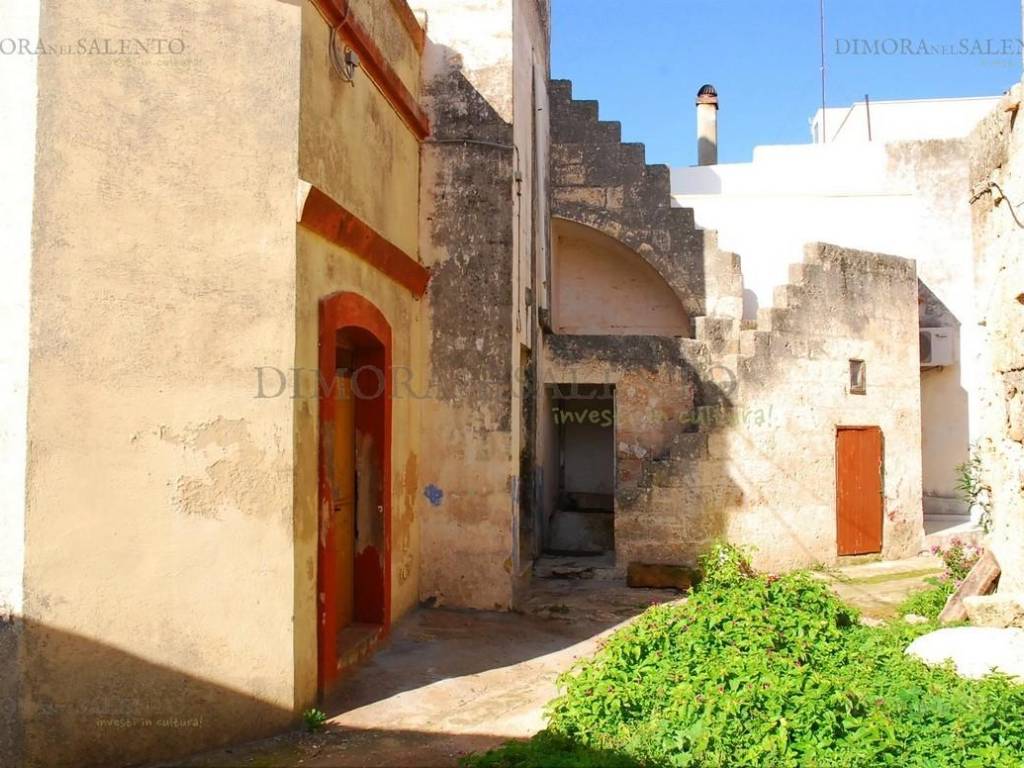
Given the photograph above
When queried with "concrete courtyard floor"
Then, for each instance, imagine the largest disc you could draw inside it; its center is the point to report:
(451, 682)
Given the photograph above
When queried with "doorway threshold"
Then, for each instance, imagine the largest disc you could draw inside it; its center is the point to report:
(356, 642)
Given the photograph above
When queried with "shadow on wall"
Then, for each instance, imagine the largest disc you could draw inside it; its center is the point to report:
(70, 701)
(470, 227)
(945, 413)
(466, 235)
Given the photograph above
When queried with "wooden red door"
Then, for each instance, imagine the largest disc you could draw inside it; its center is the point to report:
(859, 490)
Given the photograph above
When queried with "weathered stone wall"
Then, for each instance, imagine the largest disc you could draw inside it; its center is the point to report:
(479, 236)
(997, 157)
(903, 198)
(733, 433)
(793, 389)
(714, 443)
(658, 442)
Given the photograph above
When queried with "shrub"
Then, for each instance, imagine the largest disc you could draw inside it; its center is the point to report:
(958, 559)
(928, 602)
(972, 488)
(757, 670)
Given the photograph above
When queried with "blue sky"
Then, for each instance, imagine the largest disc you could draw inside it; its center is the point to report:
(644, 60)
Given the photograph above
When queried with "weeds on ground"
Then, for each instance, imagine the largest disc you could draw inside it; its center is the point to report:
(774, 672)
(314, 720)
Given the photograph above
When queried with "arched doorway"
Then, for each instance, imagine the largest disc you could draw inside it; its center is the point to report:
(354, 525)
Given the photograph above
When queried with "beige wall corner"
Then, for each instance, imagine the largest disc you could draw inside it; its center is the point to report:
(159, 541)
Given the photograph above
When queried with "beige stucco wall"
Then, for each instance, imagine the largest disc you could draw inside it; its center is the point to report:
(354, 147)
(324, 269)
(997, 155)
(159, 538)
(603, 287)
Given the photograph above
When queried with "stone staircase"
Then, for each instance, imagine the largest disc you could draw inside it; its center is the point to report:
(605, 183)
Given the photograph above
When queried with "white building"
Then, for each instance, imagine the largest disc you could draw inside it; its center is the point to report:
(905, 193)
(900, 120)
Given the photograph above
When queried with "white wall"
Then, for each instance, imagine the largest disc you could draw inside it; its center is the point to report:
(902, 120)
(18, 19)
(907, 199)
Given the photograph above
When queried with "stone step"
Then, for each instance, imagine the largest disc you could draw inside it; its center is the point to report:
(770, 318)
(585, 110)
(634, 153)
(801, 272)
(608, 131)
(786, 296)
(560, 89)
(754, 343)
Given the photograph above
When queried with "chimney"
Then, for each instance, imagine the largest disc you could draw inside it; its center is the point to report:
(707, 125)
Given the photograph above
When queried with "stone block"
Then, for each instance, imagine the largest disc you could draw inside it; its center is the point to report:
(974, 651)
(589, 196)
(657, 576)
(999, 610)
(980, 581)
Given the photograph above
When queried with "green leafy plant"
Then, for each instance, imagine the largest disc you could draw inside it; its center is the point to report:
(928, 602)
(773, 672)
(972, 489)
(314, 720)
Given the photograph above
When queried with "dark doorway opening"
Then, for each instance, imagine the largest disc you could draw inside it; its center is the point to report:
(583, 520)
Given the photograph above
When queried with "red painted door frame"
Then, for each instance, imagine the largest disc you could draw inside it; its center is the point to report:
(339, 312)
(859, 490)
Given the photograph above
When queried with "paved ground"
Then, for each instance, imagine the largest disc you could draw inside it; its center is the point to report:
(452, 682)
(877, 588)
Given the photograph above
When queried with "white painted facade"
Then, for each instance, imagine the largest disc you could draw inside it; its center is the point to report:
(900, 120)
(905, 194)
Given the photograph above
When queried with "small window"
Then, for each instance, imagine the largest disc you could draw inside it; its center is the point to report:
(858, 377)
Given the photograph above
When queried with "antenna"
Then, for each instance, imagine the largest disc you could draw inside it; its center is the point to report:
(867, 108)
(821, 19)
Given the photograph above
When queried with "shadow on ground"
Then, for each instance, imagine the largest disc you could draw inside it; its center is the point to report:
(453, 682)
